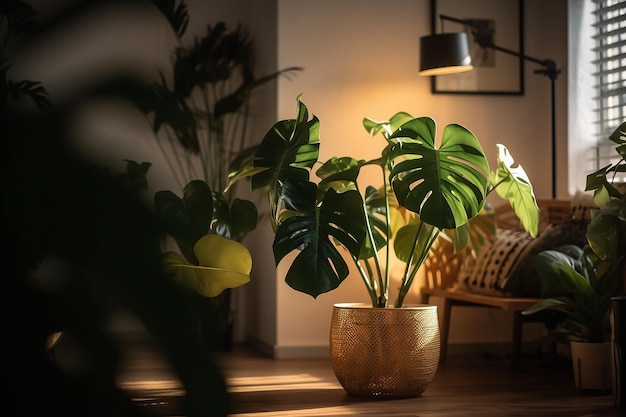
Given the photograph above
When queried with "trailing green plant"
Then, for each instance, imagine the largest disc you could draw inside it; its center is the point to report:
(425, 190)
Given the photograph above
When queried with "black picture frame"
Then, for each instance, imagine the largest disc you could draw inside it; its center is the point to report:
(494, 72)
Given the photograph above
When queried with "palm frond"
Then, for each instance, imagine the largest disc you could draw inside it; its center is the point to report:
(20, 16)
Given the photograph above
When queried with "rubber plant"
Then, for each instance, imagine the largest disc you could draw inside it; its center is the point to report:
(425, 190)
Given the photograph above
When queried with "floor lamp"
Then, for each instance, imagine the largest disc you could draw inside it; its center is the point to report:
(448, 53)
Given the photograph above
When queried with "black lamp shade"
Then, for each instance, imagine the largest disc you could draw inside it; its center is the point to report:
(445, 53)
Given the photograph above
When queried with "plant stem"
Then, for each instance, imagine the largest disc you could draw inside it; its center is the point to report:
(366, 280)
(412, 267)
(382, 296)
(388, 232)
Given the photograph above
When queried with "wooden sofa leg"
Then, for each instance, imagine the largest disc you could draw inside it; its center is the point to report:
(444, 330)
(516, 348)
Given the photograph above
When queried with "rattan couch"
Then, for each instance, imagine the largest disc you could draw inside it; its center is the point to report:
(442, 272)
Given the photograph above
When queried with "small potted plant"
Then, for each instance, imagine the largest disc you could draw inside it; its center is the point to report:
(580, 282)
(425, 189)
(575, 283)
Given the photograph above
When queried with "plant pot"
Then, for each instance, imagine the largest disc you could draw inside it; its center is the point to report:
(592, 365)
(384, 352)
(618, 350)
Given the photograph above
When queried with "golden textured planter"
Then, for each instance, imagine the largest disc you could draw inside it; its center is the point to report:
(384, 352)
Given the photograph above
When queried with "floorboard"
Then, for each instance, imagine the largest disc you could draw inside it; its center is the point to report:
(468, 385)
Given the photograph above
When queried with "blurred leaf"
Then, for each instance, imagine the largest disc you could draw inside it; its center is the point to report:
(176, 13)
(136, 174)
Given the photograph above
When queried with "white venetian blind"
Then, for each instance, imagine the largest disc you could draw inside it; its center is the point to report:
(610, 62)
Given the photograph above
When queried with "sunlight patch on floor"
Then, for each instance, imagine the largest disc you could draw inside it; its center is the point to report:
(309, 412)
(278, 383)
(156, 387)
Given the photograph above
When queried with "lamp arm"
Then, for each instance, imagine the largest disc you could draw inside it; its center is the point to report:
(549, 66)
(485, 40)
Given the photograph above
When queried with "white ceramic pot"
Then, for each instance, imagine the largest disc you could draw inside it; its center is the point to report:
(592, 365)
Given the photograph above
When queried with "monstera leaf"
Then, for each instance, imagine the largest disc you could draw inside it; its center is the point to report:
(222, 263)
(387, 127)
(445, 186)
(288, 151)
(319, 266)
(512, 184)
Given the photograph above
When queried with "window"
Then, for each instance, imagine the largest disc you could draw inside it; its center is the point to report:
(610, 63)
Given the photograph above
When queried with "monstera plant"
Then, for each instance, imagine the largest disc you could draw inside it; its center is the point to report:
(425, 190)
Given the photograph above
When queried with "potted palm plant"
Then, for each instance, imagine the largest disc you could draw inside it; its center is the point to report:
(199, 113)
(425, 189)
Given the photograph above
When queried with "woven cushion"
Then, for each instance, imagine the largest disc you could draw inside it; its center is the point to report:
(524, 280)
(496, 262)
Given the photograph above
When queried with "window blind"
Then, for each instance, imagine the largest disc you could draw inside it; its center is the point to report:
(610, 63)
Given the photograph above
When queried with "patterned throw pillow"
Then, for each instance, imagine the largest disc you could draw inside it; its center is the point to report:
(524, 280)
(496, 263)
(507, 267)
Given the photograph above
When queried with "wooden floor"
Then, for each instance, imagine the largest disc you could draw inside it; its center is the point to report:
(468, 385)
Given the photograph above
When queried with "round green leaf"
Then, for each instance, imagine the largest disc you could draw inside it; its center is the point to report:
(223, 263)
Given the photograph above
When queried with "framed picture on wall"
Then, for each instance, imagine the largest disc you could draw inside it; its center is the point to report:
(495, 72)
